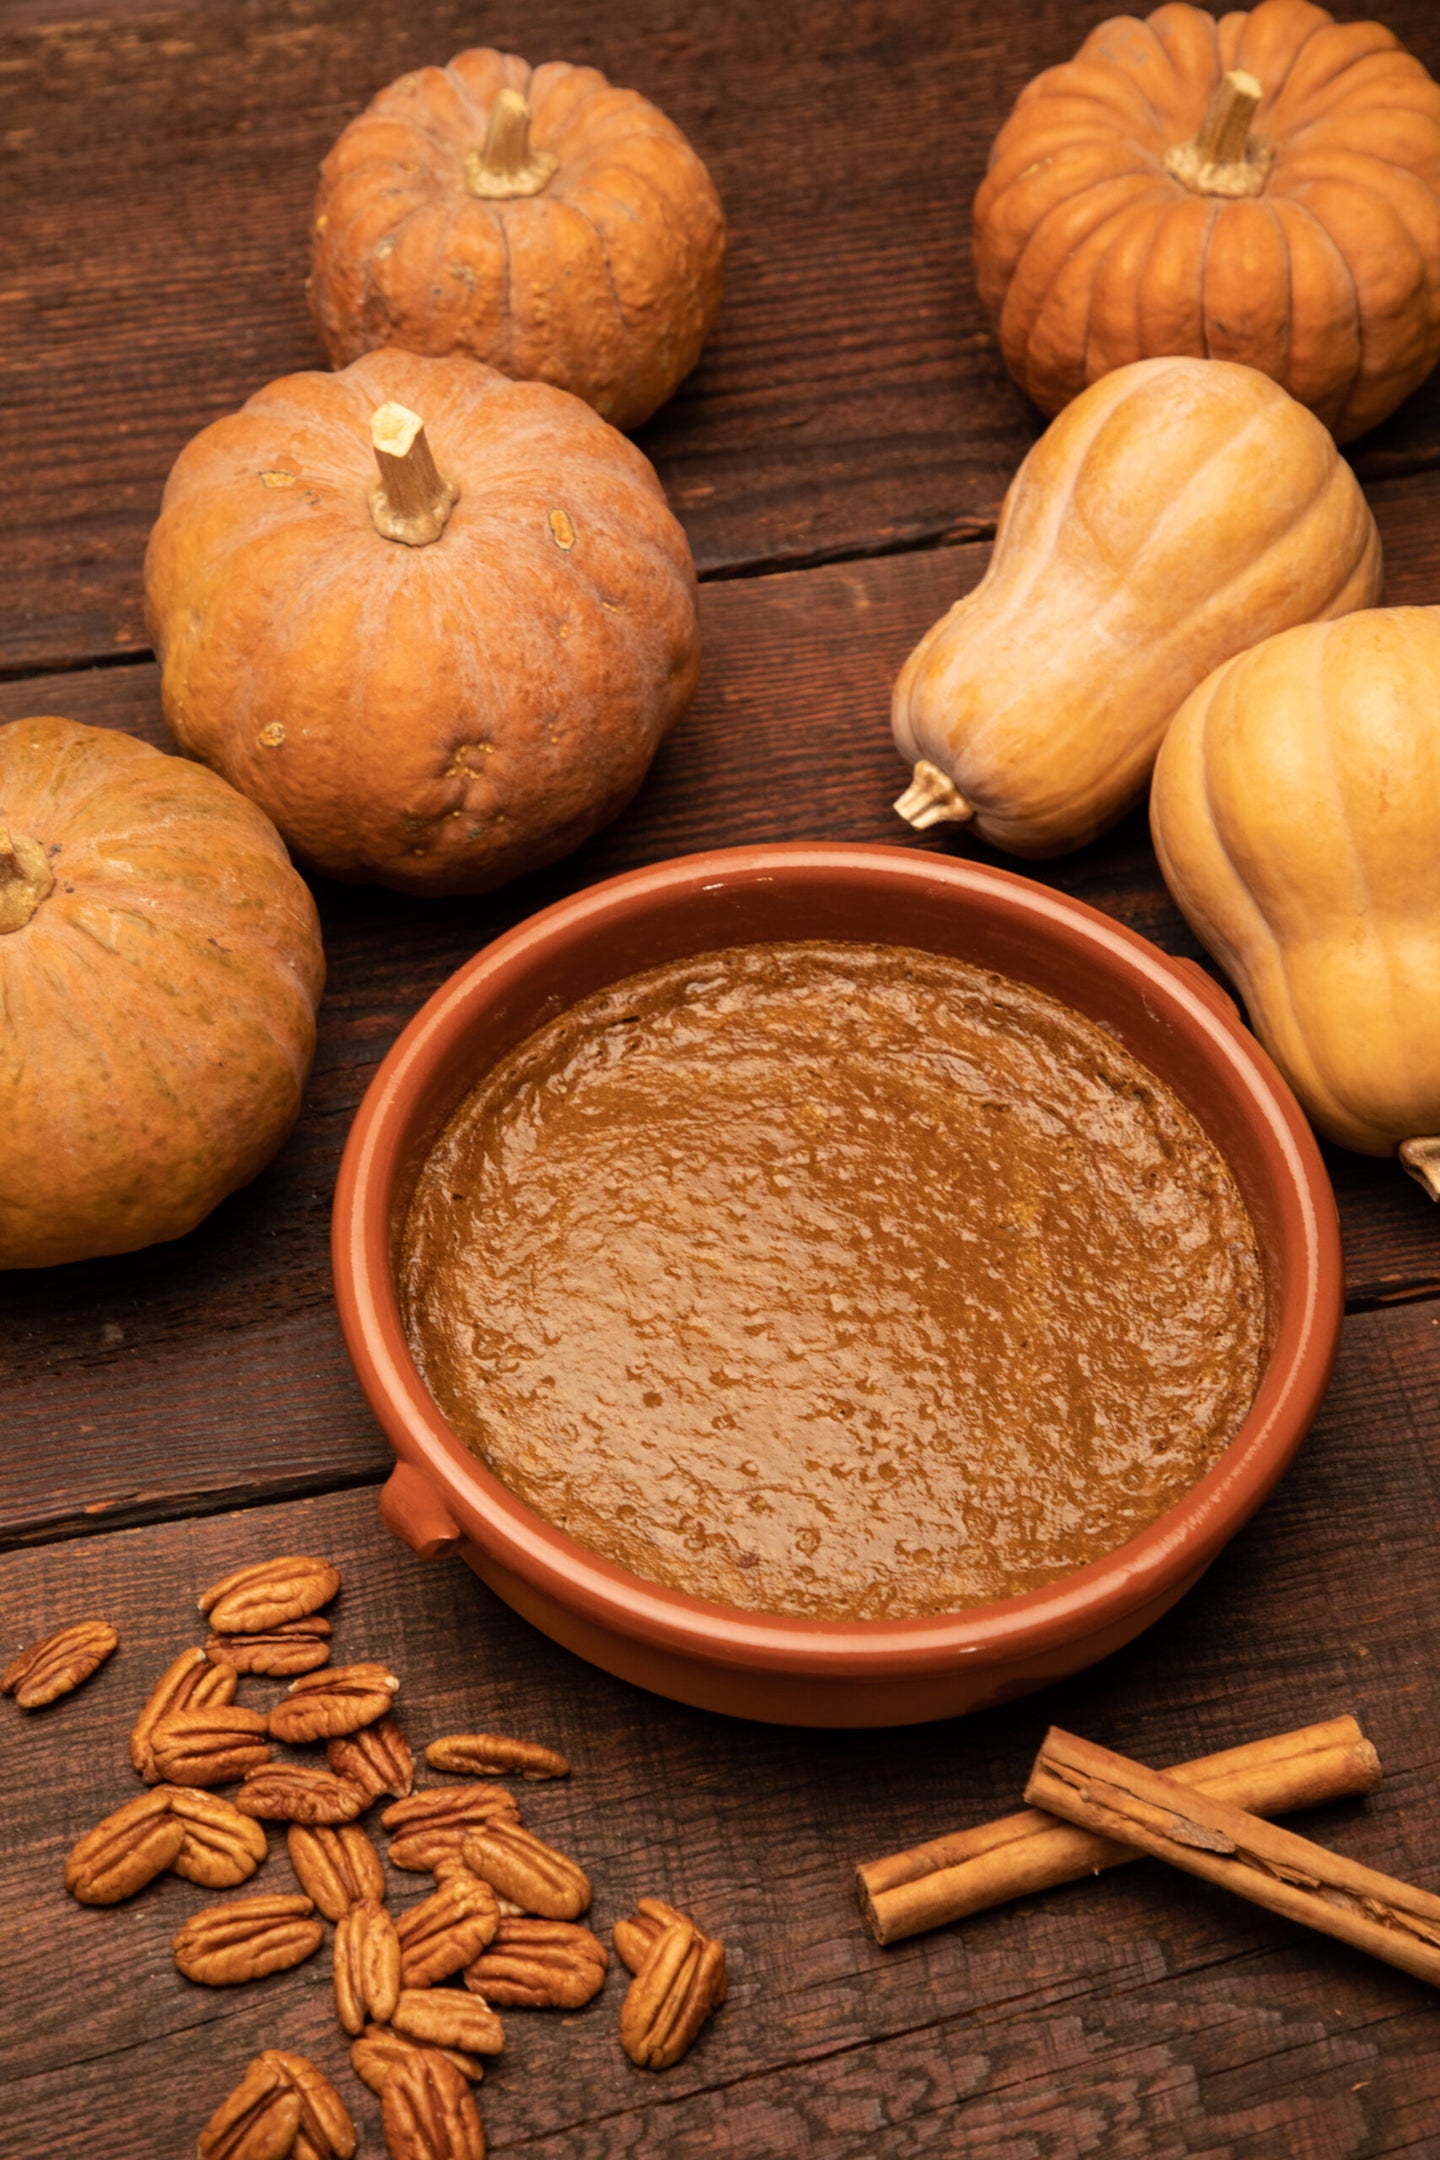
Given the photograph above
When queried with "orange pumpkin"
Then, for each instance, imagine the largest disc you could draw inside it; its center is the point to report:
(434, 673)
(538, 219)
(1265, 188)
(160, 966)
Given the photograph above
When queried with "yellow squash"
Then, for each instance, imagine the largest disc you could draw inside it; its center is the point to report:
(1176, 513)
(1296, 814)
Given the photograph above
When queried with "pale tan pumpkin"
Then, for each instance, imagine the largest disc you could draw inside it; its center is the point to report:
(538, 219)
(438, 691)
(1296, 814)
(1176, 512)
(160, 966)
(1264, 187)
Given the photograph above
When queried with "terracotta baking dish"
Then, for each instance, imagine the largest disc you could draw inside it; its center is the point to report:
(440, 1499)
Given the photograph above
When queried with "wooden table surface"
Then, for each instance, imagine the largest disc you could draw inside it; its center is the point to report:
(838, 460)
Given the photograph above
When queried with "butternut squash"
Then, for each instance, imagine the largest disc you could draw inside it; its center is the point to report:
(1296, 814)
(1177, 512)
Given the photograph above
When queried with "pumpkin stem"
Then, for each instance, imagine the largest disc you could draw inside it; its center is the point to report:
(1422, 1159)
(25, 878)
(932, 798)
(507, 165)
(1223, 159)
(409, 501)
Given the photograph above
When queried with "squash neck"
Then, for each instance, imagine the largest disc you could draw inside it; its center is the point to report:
(1224, 158)
(508, 165)
(25, 879)
(1422, 1159)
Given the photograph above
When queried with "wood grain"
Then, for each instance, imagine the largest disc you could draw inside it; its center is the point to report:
(1150, 2013)
(161, 158)
(218, 1360)
(851, 399)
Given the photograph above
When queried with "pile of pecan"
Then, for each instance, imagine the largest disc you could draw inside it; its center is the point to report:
(417, 1993)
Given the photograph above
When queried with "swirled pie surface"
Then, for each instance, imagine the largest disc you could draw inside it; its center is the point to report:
(834, 1279)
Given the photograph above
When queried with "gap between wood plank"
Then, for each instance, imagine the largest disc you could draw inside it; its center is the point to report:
(970, 532)
(147, 1510)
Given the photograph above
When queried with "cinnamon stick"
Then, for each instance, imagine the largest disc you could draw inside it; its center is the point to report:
(969, 1870)
(1109, 1795)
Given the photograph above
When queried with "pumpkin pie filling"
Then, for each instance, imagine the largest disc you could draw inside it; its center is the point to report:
(836, 1280)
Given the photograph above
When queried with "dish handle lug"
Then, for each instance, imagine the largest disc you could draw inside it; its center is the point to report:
(412, 1512)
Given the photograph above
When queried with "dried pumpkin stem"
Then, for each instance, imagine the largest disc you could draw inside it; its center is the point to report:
(1422, 1159)
(410, 501)
(508, 165)
(932, 798)
(1223, 159)
(25, 878)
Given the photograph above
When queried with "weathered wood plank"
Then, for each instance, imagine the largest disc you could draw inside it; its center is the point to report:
(852, 397)
(1149, 2012)
(195, 1373)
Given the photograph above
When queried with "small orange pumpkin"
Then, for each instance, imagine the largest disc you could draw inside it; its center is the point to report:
(1265, 188)
(436, 654)
(160, 966)
(536, 218)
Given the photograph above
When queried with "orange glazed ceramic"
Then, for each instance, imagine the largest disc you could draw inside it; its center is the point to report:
(441, 1498)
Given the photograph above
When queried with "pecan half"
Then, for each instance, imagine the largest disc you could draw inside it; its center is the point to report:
(126, 1851)
(222, 1945)
(540, 1965)
(429, 2112)
(430, 1826)
(293, 1792)
(377, 1757)
(326, 2129)
(374, 2055)
(680, 1982)
(191, 1683)
(367, 1966)
(447, 2018)
(295, 1646)
(634, 1936)
(488, 1755)
(213, 1746)
(337, 1868)
(267, 1594)
(321, 1705)
(222, 1847)
(51, 1668)
(446, 1930)
(259, 2121)
(522, 1866)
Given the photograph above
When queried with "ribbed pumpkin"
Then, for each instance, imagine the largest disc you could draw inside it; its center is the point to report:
(160, 967)
(1177, 512)
(437, 655)
(1262, 188)
(538, 219)
(1296, 814)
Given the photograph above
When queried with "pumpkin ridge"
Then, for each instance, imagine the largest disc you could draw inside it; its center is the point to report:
(624, 316)
(1129, 65)
(1228, 953)
(1284, 245)
(1367, 334)
(1336, 402)
(1340, 84)
(1025, 309)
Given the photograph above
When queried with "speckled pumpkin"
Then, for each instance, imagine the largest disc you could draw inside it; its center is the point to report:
(538, 219)
(432, 698)
(160, 966)
(1262, 188)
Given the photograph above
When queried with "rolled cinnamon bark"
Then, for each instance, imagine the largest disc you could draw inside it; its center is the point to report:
(1192, 1830)
(1021, 1854)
